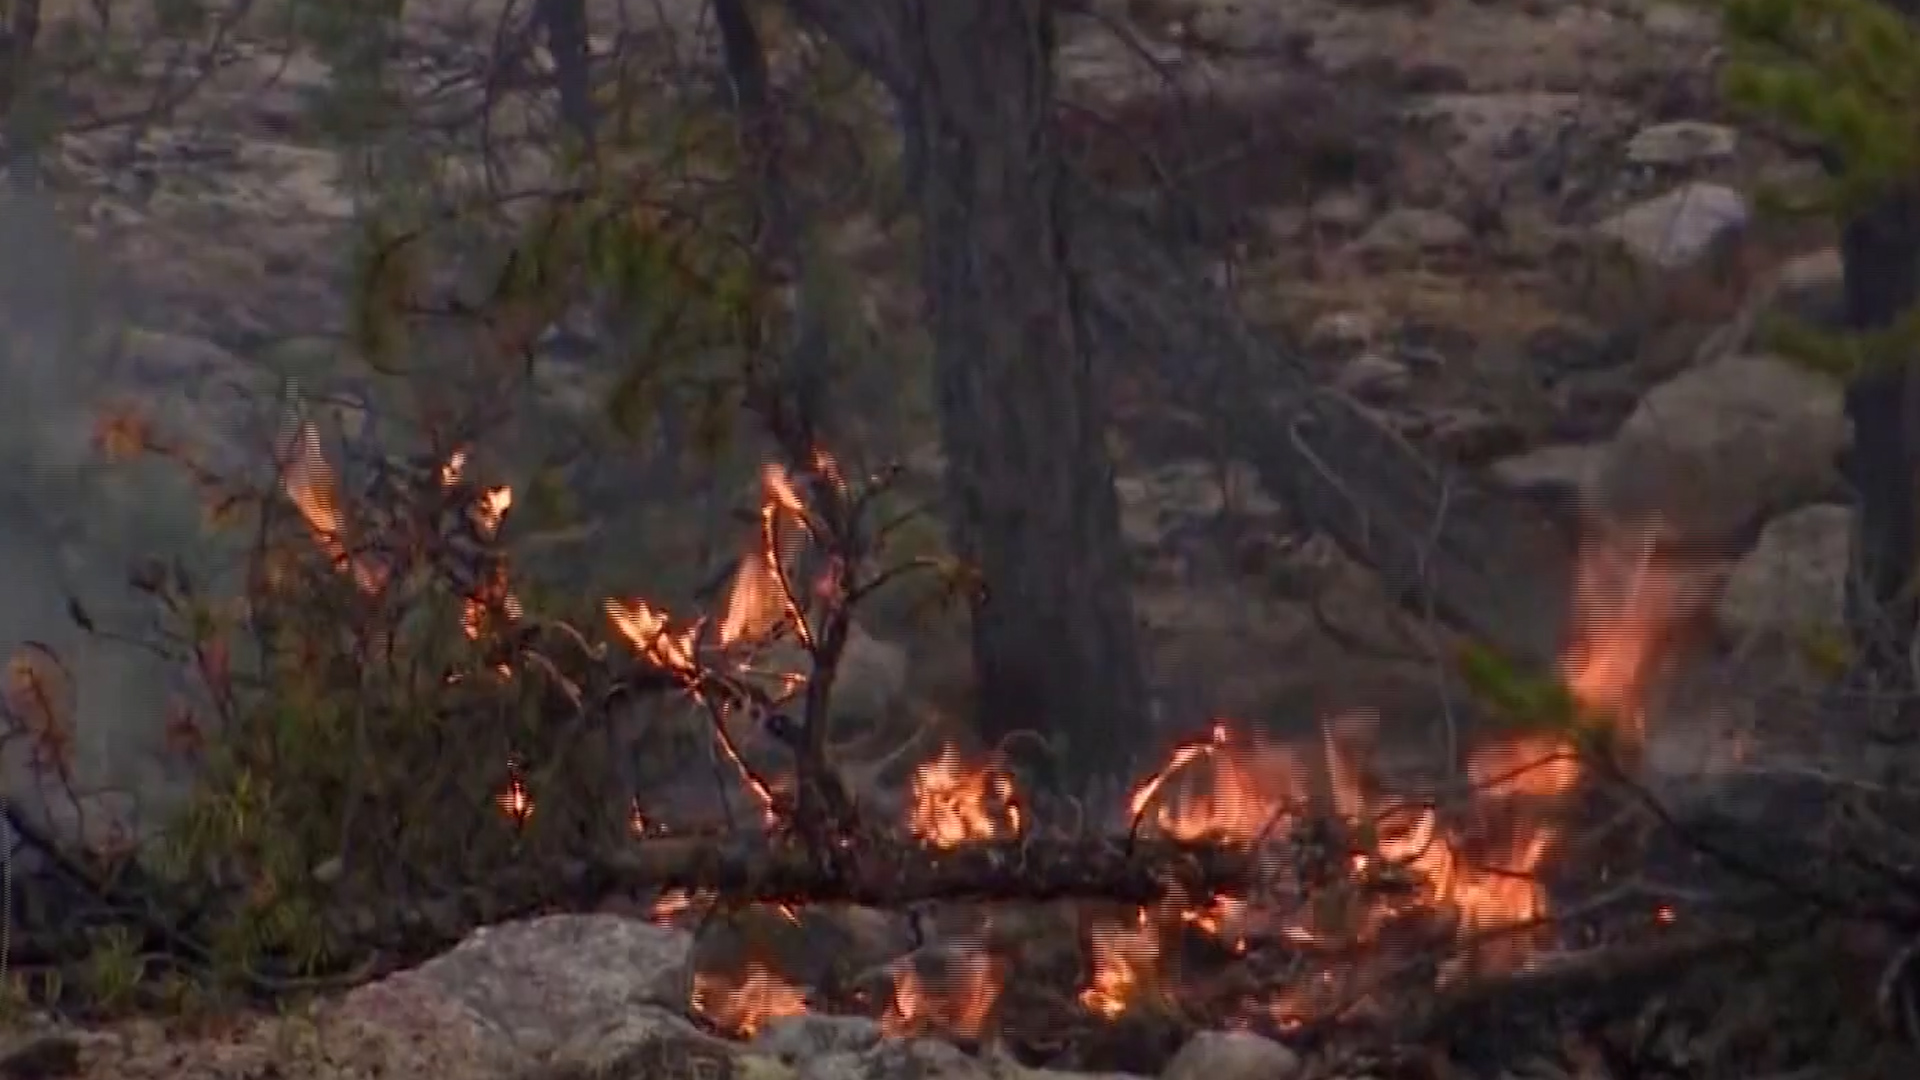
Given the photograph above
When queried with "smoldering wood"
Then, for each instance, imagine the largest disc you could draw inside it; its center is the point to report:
(874, 873)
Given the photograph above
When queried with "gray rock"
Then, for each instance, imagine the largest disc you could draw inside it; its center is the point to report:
(1560, 473)
(534, 983)
(1716, 449)
(1793, 582)
(1411, 231)
(157, 356)
(799, 1038)
(1681, 142)
(1680, 22)
(924, 1059)
(1808, 290)
(1374, 377)
(647, 1043)
(1232, 1055)
(1810, 287)
(1680, 228)
(1343, 328)
(921, 1059)
(1155, 503)
(1340, 210)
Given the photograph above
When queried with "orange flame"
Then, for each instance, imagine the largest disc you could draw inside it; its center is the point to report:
(1125, 958)
(514, 800)
(951, 804)
(1230, 788)
(1482, 866)
(740, 1005)
(961, 1007)
(309, 483)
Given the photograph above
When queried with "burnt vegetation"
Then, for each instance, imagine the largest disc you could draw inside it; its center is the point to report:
(402, 717)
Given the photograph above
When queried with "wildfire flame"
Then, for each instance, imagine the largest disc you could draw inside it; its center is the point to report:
(959, 1006)
(308, 479)
(741, 1004)
(1227, 788)
(514, 800)
(1481, 864)
(1125, 958)
(951, 804)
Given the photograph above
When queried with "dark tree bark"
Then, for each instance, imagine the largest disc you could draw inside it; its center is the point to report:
(798, 389)
(1880, 252)
(564, 23)
(1019, 271)
(18, 39)
(1028, 472)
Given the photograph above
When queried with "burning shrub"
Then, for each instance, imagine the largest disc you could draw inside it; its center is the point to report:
(395, 735)
(360, 730)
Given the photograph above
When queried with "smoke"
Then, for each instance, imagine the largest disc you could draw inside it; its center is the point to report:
(71, 525)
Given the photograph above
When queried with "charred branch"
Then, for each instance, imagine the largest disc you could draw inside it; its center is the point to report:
(1445, 544)
(875, 873)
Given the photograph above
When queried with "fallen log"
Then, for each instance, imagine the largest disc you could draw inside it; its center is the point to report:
(758, 869)
(1444, 544)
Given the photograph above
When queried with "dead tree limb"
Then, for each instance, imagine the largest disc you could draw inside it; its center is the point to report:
(1445, 544)
(776, 870)
(893, 874)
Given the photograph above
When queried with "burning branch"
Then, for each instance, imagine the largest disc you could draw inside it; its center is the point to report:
(890, 874)
(1257, 849)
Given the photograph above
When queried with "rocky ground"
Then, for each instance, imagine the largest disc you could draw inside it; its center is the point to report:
(1524, 236)
(559, 998)
(1523, 233)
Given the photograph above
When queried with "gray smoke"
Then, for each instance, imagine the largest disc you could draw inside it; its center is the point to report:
(72, 523)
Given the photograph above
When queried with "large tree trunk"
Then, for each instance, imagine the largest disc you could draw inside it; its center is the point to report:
(565, 24)
(1011, 291)
(1028, 471)
(798, 396)
(1880, 249)
(18, 41)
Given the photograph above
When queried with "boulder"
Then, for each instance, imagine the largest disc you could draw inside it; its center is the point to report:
(923, 1059)
(1376, 378)
(1232, 1055)
(1558, 474)
(1407, 230)
(1681, 142)
(649, 1043)
(1714, 451)
(1679, 229)
(1160, 501)
(1793, 583)
(515, 992)
(798, 1038)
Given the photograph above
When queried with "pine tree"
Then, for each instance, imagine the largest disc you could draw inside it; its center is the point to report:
(1845, 76)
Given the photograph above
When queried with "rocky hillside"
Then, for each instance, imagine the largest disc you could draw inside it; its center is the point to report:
(1521, 234)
